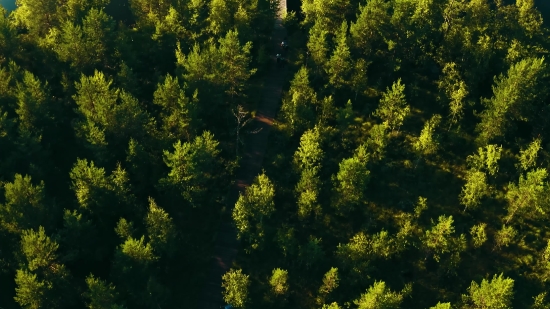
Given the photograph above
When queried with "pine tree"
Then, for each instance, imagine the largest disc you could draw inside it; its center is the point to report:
(379, 296)
(251, 209)
(234, 60)
(504, 236)
(235, 285)
(160, 229)
(528, 156)
(25, 205)
(371, 24)
(330, 283)
(474, 189)
(479, 236)
(194, 169)
(220, 18)
(279, 281)
(339, 65)
(439, 239)
(179, 113)
(100, 294)
(393, 108)
(427, 143)
(497, 293)
(297, 108)
(486, 159)
(317, 46)
(351, 180)
(514, 97)
(528, 195)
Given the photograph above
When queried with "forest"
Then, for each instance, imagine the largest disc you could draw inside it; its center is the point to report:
(407, 166)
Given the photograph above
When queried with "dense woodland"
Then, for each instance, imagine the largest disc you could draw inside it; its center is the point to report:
(408, 167)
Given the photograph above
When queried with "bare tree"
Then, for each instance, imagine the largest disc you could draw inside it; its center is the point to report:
(242, 118)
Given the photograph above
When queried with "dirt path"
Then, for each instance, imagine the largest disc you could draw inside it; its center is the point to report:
(254, 149)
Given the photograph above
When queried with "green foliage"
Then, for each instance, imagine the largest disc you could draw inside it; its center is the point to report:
(379, 296)
(307, 190)
(378, 140)
(441, 305)
(514, 97)
(474, 189)
(234, 60)
(333, 305)
(329, 14)
(124, 229)
(339, 65)
(351, 181)
(309, 154)
(296, 109)
(193, 168)
(43, 282)
(38, 248)
(421, 206)
(79, 236)
(370, 25)
(32, 104)
(100, 295)
(393, 107)
(160, 229)
(331, 281)
(29, 293)
(528, 156)
(286, 241)
(362, 249)
(311, 253)
(439, 240)
(279, 281)
(317, 45)
(251, 208)
(235, 285)
(505, 236)
(427, 143)
(454, 90)
(97, 193)
(495, 294)
(543, 265)
(179, 113)
(486, 159)
(220, 17)
(36, 16)
(24, 206)
(539, 303)
(528, 195)
(479, 236)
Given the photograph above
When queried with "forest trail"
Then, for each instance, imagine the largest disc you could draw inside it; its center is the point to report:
(227, 244)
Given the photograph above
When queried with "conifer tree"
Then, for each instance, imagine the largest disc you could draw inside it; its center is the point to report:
(496, 293)
(351, 180)
(193, 169)
(514, 97)
(393, 107)
(528, 195)
(25, 205)
(235, 285)
(234, 60)
(279, 281)
(379, 296)
(251, 209)
(297, 107)
(339, 65)
(474, 189)
(179, 113)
